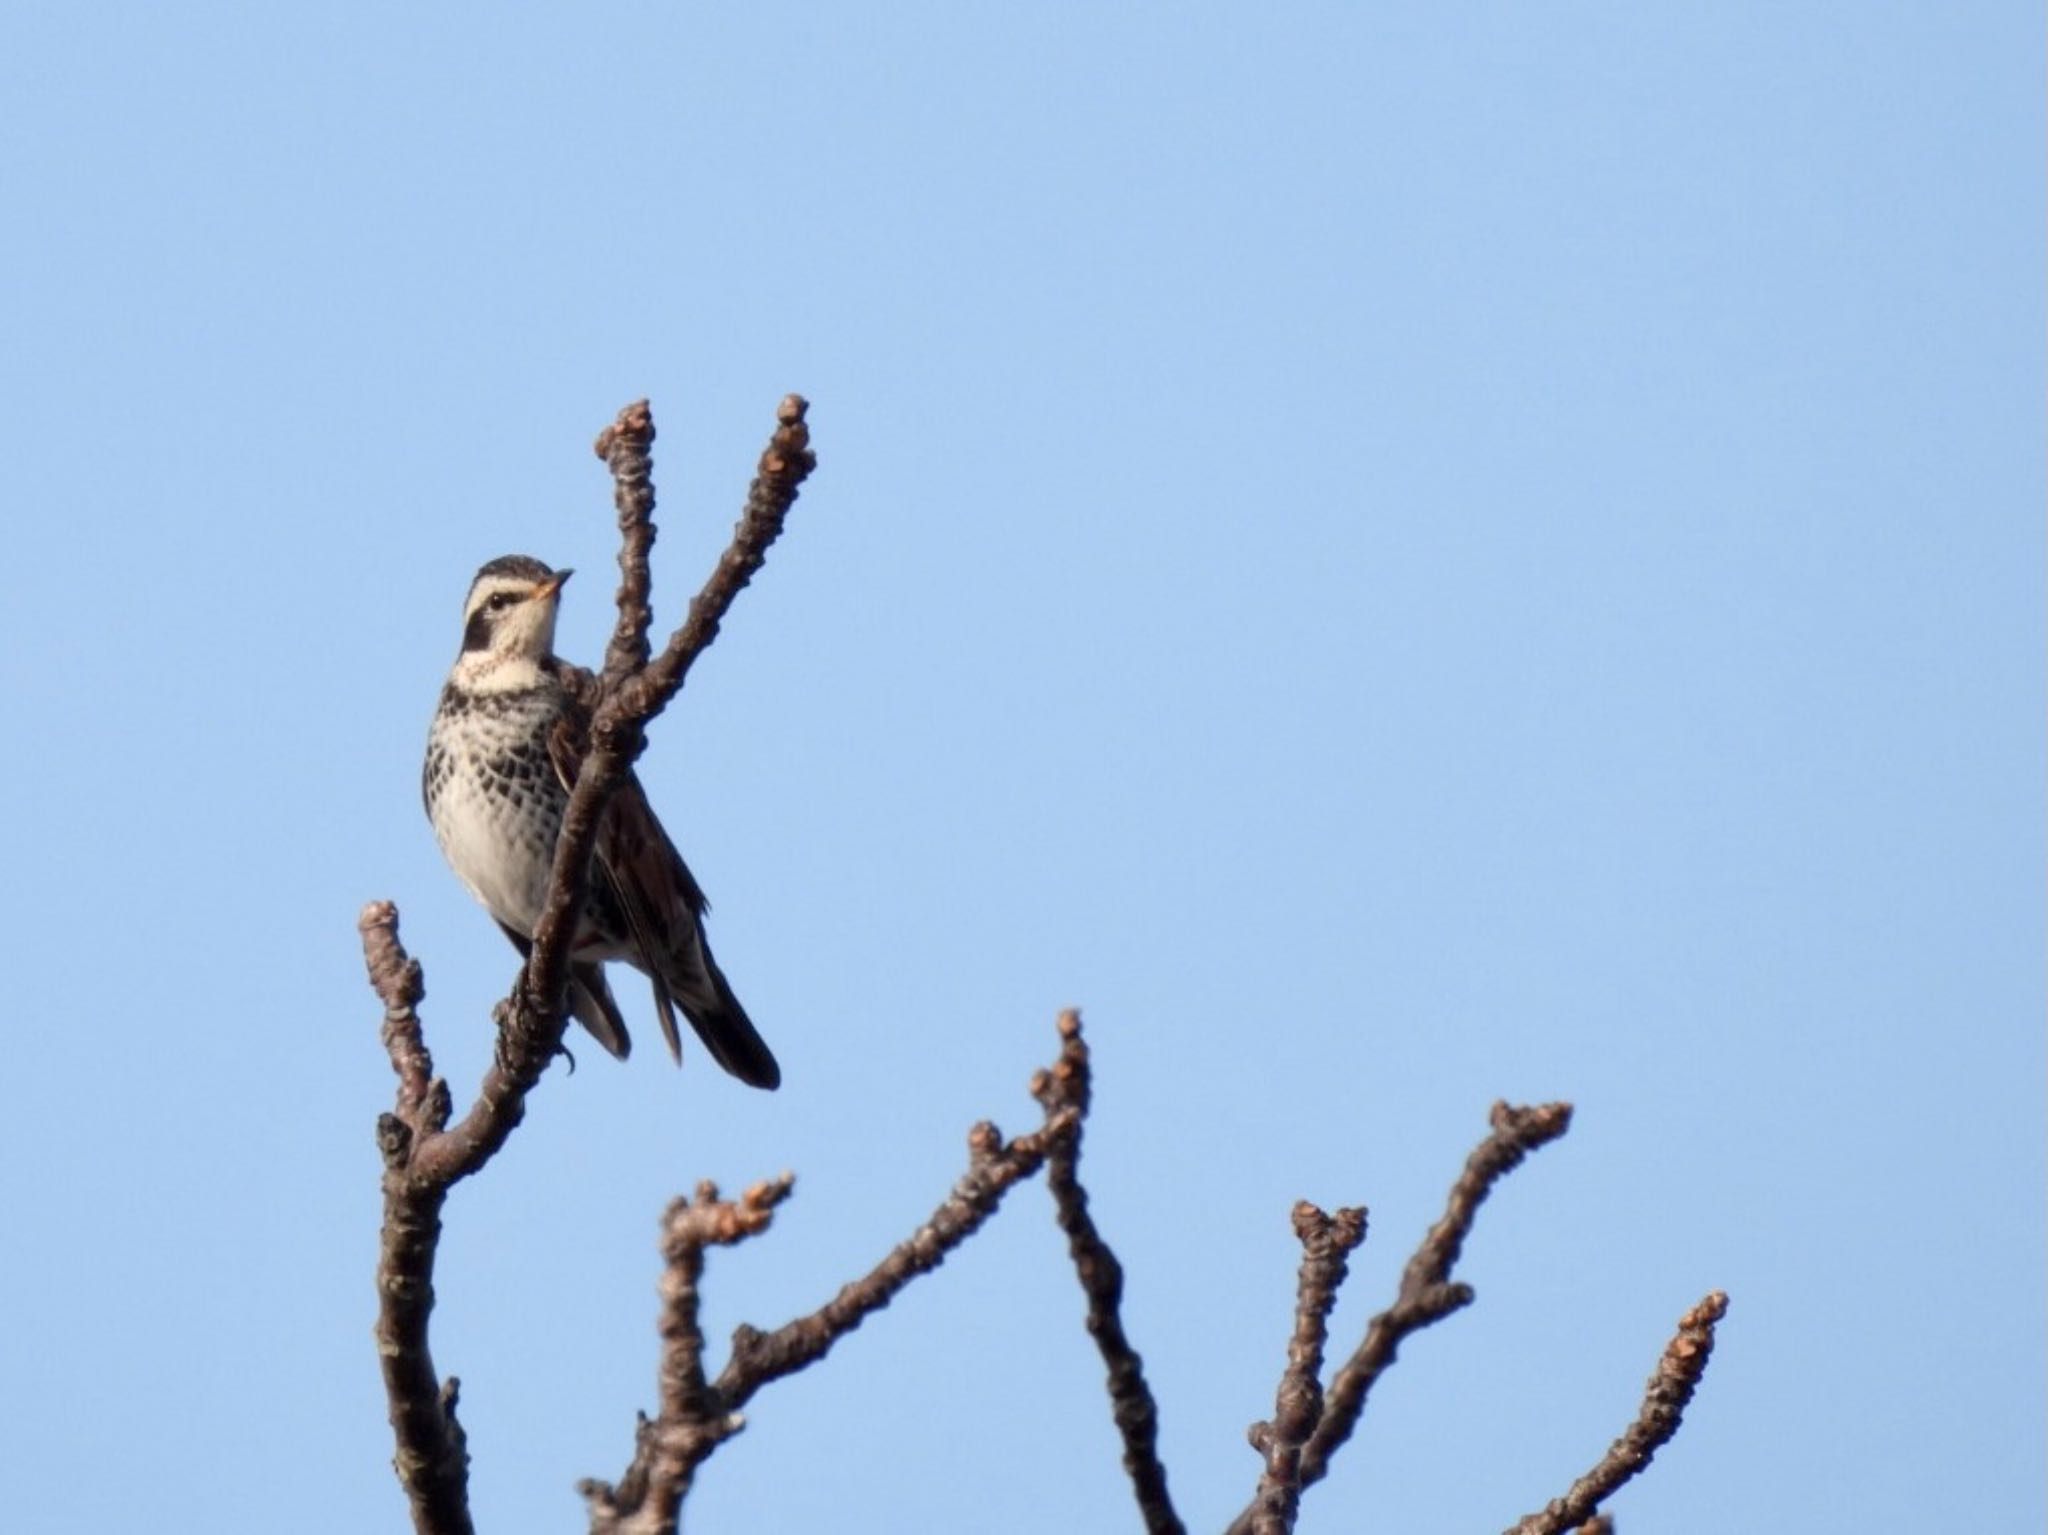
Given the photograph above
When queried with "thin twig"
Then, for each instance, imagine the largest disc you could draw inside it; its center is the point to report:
(400, 985)
(1664, 1400)
(785, 463)
(1067, 1085)
(626, 446)
(696, 1417)
(1427, 1294)
(994, 1167)
(669, 1448)
(1327, 1242)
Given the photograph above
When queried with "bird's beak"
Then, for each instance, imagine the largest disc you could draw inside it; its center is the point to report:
(553, 584)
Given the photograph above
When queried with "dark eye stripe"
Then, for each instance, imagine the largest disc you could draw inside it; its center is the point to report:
(476, 635)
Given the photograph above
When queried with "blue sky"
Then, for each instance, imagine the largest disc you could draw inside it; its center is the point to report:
(1395, 555)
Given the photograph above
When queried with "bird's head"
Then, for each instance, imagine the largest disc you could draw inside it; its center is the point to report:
(508, 622)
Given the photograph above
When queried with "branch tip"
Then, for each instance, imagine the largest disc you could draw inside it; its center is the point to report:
(635, 425)
(1670, 1389)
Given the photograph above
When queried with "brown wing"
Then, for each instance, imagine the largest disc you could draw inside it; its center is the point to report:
(664, 908)
(660, 901)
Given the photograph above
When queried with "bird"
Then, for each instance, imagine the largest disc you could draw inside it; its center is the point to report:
(502, 753)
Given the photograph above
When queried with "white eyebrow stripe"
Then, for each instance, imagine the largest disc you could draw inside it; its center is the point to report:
(486, 589)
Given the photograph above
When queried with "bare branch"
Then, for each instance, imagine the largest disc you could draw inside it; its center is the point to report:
(626, 446)
(689, 1227)
(1664, 1400)
(400, 984)
(993, 1169)
(668, 1449)
(1327, 1242)
(1427, 1294)
(432, 1458)
(785, 463)
(695, 1416)
(423, 1155)
(1067, 1085)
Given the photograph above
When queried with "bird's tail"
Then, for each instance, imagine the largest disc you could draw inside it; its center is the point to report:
(591, 1004)
(705, 997)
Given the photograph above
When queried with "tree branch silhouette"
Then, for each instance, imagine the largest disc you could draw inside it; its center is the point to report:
(424, 1156)
(1068, 1084)
(695, 1416)
(1427, 1294)
(426, 1151)
(1671, 1387)
(1327, 1242)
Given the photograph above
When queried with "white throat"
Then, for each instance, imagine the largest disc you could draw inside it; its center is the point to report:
(485, 671)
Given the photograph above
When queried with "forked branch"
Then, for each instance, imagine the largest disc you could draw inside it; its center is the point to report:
(424, 1156)
(1427, 1294)
(1327, 1242)
(697, 1415)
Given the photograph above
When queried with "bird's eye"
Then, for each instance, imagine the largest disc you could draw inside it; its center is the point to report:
(499, 601)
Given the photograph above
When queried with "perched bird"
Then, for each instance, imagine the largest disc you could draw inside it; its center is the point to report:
(504, 748)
